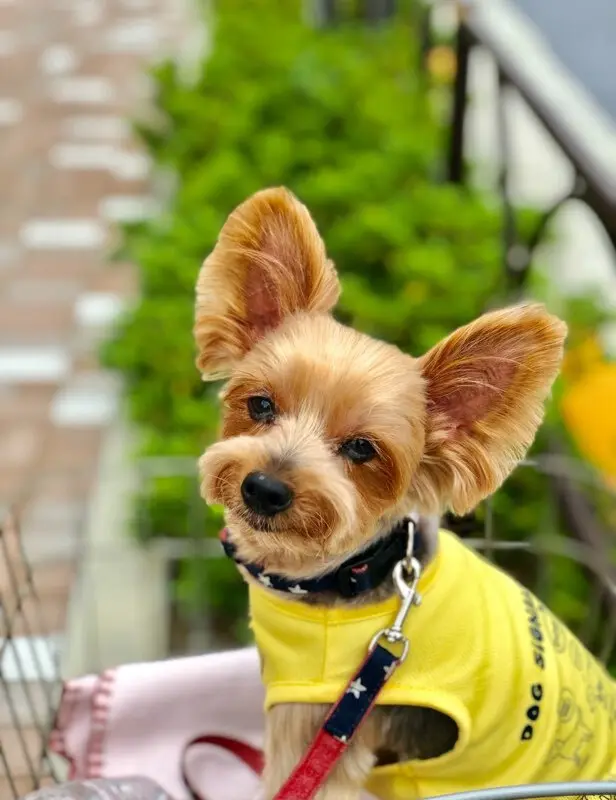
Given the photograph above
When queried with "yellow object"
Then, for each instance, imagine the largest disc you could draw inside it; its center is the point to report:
(589, 411)
(530, 702)
(583, 357)
(442, 63)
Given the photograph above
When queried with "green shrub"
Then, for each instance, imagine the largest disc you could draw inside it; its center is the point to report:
(343, 118)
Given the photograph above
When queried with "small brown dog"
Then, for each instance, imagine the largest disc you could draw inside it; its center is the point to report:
(330, 439)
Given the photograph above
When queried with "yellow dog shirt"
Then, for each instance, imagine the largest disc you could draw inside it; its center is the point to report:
(531, 704)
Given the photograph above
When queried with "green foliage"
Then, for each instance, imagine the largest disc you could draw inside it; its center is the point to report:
(344, 119)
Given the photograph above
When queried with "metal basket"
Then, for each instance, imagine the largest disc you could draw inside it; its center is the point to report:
(579, 789)
(30, 682)
(30, 679)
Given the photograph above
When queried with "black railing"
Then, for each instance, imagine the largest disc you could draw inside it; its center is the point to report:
(594, 184)
(593, 161)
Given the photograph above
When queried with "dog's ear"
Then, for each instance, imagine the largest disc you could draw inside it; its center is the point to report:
(486, 385)
(269, 262)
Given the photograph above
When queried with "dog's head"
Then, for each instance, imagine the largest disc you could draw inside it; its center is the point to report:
(329, 434)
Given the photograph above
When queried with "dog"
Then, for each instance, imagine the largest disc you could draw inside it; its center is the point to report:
(333, 444)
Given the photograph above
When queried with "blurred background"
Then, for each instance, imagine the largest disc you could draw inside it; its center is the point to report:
(455, 156)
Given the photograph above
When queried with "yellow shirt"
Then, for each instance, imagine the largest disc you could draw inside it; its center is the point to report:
(530, 702)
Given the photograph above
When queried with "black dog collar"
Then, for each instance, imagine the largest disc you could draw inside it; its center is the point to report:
(360, 573)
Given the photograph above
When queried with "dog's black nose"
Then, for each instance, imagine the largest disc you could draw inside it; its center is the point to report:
(265, 495)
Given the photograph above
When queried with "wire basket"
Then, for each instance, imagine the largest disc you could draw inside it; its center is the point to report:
(30, 682)
(30, 675)
(581, 789)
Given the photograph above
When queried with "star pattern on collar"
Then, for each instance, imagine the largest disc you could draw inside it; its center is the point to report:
(361, 573)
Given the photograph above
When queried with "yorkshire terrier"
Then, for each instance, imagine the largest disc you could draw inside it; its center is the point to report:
(333, 444)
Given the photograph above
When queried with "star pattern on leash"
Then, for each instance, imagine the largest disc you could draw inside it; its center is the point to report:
(389, 670)
(356, 688)
(297, 589)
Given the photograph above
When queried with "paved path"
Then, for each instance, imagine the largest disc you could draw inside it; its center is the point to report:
(70, 73)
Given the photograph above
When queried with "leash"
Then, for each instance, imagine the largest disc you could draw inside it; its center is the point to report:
(352, 708)
(250, 756)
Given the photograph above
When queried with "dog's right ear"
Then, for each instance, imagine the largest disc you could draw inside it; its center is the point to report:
(269, 262)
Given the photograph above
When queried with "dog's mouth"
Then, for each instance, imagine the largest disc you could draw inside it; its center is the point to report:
(290, 544)
(259, 523)
(293, 505)
(319, 522)
(252, 523)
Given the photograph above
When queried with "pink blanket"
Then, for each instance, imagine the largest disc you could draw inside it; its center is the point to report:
(193, 725)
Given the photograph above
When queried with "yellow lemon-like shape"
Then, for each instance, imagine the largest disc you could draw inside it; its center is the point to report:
(588, 409)
(578, 360)
(442, 63)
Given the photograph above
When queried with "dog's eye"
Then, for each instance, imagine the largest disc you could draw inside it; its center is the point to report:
(358, 450)
(261, 409)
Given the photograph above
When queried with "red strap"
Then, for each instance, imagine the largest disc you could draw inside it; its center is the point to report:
(344, 719)
(247, 754)
(313, 769)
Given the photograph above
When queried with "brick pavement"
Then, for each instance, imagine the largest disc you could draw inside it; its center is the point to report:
(71, 72)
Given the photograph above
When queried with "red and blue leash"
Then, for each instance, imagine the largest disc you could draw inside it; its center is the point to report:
(353, 706)
(359, 696)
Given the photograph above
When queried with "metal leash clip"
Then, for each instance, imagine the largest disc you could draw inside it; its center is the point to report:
(405, 575)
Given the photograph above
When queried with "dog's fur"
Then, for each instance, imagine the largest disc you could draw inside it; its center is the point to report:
(447, 429)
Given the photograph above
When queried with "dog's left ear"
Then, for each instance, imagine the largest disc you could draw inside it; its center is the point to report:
(269, 262)
(486, 385)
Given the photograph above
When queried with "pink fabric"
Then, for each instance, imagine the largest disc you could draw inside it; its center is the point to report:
(138, 720)
(73, 723)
